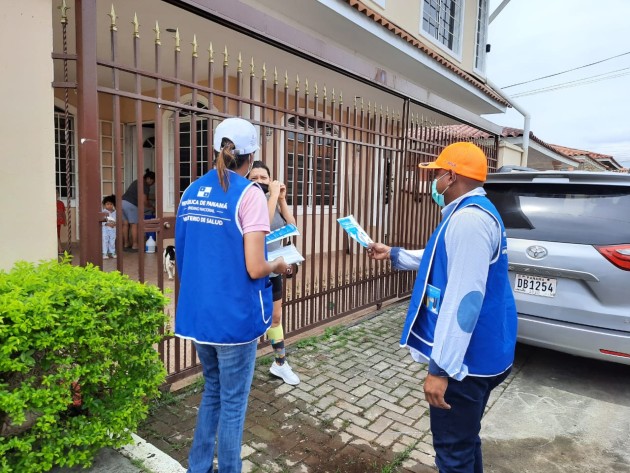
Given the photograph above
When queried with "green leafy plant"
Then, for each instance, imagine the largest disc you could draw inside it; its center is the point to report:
(77, 362)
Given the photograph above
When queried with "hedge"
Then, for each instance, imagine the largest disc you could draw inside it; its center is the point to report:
(78, 363)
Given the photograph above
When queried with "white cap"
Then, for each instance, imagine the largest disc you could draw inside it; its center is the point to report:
(240, 132)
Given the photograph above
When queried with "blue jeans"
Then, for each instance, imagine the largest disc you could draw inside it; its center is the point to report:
(456, 430)
(228, 371)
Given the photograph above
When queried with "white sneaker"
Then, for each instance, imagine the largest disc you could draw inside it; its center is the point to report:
(113, 255)
(285, 372)
(105, 257)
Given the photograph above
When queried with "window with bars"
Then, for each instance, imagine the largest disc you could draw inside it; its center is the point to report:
(65, 164)
(312, 166)
(442, 21)
(482, 36)
(186, 149)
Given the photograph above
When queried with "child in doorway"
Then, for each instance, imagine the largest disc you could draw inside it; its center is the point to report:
(109, 227)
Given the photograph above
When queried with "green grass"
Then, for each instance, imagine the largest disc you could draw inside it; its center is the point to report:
(264, 360)
(398, 460)
(329, 333)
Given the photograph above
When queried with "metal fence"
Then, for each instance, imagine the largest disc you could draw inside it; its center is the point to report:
(336, 156)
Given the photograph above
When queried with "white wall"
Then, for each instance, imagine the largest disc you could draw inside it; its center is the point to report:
(27, 191)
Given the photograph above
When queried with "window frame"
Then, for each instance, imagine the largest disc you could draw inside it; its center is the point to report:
(454, 52)
(313, 141)
(59, 130)
(480, 43)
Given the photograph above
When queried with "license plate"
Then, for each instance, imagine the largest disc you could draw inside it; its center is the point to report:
(535, 285)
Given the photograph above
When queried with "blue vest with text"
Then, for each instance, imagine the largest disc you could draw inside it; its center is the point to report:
(491, 348)
(218, 303)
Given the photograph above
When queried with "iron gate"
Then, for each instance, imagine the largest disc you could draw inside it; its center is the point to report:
(337, 157)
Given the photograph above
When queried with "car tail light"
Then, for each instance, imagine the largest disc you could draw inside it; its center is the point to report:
(614, 353)
(619, 255)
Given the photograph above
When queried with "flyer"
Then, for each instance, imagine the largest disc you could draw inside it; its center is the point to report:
(290, 254)
(356, 232)
(281, 233)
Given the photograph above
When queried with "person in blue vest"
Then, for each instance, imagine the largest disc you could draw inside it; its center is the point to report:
(225, 301)
(462, 317)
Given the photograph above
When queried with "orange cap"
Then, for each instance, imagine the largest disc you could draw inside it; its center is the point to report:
(464, 158)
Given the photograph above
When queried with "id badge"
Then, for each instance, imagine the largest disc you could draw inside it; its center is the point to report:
(432, 299)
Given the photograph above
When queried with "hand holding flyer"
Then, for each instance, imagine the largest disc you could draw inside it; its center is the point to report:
(352, 227)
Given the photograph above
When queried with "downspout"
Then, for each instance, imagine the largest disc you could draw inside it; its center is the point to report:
(526, 119)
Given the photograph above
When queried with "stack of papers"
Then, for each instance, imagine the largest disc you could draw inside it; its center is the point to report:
(290, 254)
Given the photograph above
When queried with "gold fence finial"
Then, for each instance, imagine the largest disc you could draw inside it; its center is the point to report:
(275, 75)
(286, 79)
(210, 53)
(325, 95)
(177, 47)
(157, 33)
(239, 64)
(264, 71)
(306, 86)
(194, 45)
(136, 26)
(340, 97)
(381, 110)
(316, 95)
(225, 56)
(297, 82)
(252, 71)
(333, 95)
(112, 15)
(63, 8)
(361, 103)
(370, 107)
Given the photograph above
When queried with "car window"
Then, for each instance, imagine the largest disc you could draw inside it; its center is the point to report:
(569, 213)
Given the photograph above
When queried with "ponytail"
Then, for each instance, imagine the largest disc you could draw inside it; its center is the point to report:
(227, 159)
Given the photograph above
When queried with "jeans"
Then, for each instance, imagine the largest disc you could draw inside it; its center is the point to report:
(456, 430)
(228, 371)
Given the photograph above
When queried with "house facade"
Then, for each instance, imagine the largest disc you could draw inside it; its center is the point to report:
(349, 96)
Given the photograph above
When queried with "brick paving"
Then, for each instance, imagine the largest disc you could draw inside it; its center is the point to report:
(358, 409)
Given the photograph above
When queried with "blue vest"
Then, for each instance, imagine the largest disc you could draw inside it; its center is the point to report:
(491, 348)
(218, 302)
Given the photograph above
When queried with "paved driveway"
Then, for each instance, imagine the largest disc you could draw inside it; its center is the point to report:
(560, 414)
(360, 409)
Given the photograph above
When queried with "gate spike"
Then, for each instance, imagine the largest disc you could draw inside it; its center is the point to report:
(136, 26)
(177, 47)
(306, 86)
(286, 79)
(264, 71)
(325, 92)
(225, 56)
(251, 68)
(112, 15)
(275, 75)
(157, 33)
(333, 95)
(297, 83)
(210, 53)
(239, 64)
(63, 8)
(340, 97)
(194, 45)
(316, 90)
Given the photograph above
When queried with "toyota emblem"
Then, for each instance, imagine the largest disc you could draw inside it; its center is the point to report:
(536, 252)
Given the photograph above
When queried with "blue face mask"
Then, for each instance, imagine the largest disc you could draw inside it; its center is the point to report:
(437, 197)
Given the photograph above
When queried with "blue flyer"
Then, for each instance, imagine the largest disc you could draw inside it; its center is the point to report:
(352, 227)
(281, 233)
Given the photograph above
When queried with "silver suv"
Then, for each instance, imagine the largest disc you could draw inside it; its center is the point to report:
(569, 254)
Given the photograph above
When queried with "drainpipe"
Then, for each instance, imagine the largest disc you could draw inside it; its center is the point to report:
(526, 119)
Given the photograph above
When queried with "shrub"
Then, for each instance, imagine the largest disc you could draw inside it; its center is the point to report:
(77, 362)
